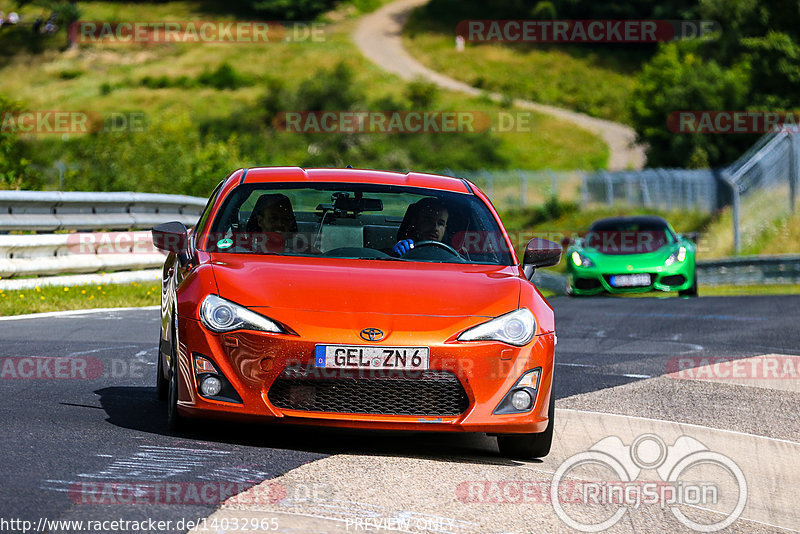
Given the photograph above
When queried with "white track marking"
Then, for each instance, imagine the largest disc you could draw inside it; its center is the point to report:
(72, 313)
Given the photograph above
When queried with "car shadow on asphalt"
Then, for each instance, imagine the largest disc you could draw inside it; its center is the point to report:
(137, 408)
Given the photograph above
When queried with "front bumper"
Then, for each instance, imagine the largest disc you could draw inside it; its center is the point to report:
(594, 280)
(253, 361)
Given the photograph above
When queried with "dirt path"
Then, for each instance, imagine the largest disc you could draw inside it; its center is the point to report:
(378, 36)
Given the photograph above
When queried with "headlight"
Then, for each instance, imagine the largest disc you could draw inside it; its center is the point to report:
(677, 256)
(515, 328)
(220, 315)
(580, 260)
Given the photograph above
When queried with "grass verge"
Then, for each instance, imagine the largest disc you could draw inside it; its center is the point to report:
(595, 83)
(162, 81)
(55, 298)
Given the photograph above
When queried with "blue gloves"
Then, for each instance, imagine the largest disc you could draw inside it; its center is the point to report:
(402, 247)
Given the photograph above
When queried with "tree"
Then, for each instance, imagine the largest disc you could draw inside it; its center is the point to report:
(676, 79)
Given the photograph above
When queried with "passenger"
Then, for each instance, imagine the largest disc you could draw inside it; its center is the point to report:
(425, 220)
(272, 213)
(272, 224)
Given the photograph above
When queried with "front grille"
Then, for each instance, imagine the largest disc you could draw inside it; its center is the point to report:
(587, 283)
(372, 392)
(673, 280)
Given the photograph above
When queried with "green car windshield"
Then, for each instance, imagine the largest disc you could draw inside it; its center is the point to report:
(629, 236)
(357, 221)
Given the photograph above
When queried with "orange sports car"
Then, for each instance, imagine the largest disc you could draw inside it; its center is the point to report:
(357, 298)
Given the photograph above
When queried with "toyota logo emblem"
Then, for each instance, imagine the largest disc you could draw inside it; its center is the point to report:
(372, 334)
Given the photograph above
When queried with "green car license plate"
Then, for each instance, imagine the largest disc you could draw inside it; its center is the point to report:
(630, 280)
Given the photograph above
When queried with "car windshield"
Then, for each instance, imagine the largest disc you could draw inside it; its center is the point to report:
(629, 236)
(357, 221)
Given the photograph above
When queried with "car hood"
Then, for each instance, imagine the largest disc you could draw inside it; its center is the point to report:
(367, 286)
(647, 259)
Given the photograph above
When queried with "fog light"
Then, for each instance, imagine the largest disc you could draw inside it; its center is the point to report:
(521, 400)
(210, 386)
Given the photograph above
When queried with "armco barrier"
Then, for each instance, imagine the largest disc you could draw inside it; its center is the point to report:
(51, 211)
(750, 270)
(68, 253)
(745, 270)
(52, 254)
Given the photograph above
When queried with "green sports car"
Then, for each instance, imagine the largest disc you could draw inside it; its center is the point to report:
(631, 255)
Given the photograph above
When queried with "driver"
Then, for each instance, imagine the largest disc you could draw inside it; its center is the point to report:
(425, 220)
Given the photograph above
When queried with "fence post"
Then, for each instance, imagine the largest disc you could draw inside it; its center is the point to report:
(523, 188)
(737, 245)
(609, 189)
(584, 189)
(794, 172)
(489, 183)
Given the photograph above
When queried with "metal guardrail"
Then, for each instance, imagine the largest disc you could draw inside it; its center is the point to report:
(750, 270)
(744, 270)
(51, 211)
(81, 252)
(53, 254)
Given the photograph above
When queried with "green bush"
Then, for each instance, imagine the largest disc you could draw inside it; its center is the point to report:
(169, 156)
(336, 89)
(292, 9)
(224, 77)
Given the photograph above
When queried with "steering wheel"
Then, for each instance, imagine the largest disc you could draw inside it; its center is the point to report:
(439, 244)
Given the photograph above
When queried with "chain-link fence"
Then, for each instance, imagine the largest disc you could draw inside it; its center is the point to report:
(764, 184)
(761, 186)
(521, 188)
(668, 189)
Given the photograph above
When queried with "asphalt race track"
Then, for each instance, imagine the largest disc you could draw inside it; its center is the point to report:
(73, 437)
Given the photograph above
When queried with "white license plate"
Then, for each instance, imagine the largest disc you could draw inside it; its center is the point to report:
(366, 357)
(630, 280)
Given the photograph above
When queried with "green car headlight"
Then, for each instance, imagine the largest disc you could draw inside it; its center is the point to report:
(677, 256)
(580, 260)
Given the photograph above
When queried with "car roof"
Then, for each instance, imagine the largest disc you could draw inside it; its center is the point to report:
(366, 176)
(635, 219)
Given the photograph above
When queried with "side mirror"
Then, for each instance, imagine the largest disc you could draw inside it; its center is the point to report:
(171, 237)
(692, 236)
(540, 253)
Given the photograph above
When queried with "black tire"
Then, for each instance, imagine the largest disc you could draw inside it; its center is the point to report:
(526, 446)
(162, 383)
(568, 289)
(174, 420)
(692, 291)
